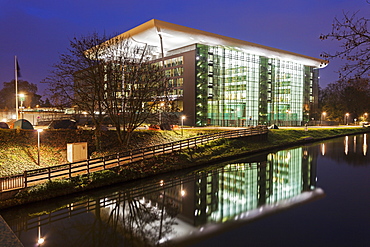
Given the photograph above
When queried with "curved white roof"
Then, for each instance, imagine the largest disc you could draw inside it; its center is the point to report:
(176, 36)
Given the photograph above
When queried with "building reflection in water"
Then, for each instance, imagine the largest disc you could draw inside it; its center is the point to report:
(244, 186)
(179, 209)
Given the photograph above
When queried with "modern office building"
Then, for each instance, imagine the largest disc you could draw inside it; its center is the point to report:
(221, 81)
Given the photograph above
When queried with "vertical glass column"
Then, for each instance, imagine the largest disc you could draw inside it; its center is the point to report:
(286, 85)
(264, 91)
(201, 85)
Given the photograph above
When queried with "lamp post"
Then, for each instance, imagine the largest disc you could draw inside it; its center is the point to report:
(323, 116)
(347, 114)
(21, 98)
(231, 116)
(38, 145)
(160, 113)
(182, 125)
(288, 118)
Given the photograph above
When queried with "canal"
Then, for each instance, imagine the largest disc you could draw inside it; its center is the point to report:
(313, 195)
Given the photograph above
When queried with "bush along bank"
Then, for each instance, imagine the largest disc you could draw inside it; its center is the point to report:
(215, 151)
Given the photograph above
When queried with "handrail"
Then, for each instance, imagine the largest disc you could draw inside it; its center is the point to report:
(35, 176)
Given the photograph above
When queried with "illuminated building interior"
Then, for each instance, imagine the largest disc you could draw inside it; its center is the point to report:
(221, 81)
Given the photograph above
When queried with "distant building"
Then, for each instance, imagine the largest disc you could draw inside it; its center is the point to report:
(221, 81)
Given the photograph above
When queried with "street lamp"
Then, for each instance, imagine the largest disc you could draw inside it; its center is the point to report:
(231, 116)
(38, 145)
(182, 125)
(323, 116)
(160, 113)
(21, 98)
(347, 114)
(288, 113)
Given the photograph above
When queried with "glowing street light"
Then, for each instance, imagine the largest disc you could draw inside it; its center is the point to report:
(160, 113)
(288, 116)
(347, 115)
(323, 116)
(21, 98)
(182, 125)
(38, 145)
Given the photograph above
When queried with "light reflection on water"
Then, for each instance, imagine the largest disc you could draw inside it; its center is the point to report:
(183, 208)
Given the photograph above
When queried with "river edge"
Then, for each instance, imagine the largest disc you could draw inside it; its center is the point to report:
(203, 155)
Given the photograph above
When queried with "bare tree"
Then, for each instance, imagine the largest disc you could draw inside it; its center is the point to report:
(135, 86)
(353, 34)
(112, 78)
(77, 81)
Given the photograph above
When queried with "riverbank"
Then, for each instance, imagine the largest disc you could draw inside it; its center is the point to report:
(208, 153)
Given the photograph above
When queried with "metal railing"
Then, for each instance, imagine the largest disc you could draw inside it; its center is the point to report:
(33, 177)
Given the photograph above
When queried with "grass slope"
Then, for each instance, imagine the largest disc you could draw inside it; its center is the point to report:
(18, 149)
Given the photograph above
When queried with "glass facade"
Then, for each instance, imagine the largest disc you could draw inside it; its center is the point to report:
(236, 88)
(174, 71)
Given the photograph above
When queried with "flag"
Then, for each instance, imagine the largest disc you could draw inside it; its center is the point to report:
(18, 69)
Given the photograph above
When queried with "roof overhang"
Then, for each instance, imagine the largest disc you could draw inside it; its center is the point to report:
(176, 36)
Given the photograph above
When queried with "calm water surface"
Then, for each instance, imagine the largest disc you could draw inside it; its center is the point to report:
(314, 195)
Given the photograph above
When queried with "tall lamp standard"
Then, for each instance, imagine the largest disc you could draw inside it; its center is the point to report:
(182, 125)
(347, 114)
(38, 145)
(160, 113)
(288, 118)
(323, 116)
(21, 98)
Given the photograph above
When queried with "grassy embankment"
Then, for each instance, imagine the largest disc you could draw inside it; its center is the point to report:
(18, 149)
(202, 154)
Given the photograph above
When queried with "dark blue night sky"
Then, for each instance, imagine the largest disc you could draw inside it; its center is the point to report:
(37, 31)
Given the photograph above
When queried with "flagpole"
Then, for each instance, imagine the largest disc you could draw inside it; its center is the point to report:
(16, 87)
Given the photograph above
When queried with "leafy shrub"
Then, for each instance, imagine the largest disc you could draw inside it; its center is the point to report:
(104, 177)
(46, 189)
